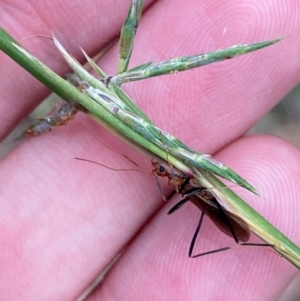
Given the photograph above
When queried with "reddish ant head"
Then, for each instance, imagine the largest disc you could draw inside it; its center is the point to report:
(159, 169)
(176, 179)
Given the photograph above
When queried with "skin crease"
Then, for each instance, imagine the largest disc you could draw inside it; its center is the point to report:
(58, 229)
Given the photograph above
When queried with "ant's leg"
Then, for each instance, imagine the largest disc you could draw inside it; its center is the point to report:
(233, 233)
(228, 221)
(256, 245)
(177, 206)
(215, 201)
(195, 238)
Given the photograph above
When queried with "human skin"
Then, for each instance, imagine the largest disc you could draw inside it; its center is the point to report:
(62, 221)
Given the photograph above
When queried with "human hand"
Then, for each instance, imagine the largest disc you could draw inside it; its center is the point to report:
(62, 221)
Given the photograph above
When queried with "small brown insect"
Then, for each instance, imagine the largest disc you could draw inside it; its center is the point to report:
(61, 116)
(228, 222)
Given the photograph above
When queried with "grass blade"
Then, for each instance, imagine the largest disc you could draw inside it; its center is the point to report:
(180, 64)
(128, 33)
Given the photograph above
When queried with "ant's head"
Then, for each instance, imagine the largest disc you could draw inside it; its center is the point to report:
(159, 169)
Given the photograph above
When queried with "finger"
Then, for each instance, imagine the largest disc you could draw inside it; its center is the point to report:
(213, 108)
(157, 264)
(57, 171)
(213, 105)
(63, 220)
(92, 25)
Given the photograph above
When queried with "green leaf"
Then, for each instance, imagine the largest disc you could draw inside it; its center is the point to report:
(128, 33)
(180, 64)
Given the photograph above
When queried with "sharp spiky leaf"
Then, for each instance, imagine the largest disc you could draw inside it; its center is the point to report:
(128, 33)
(180, 64)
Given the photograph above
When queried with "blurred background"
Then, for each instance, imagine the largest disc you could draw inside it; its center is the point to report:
(284, 119)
